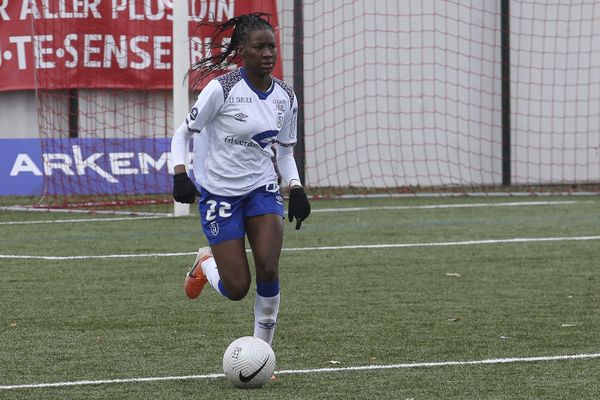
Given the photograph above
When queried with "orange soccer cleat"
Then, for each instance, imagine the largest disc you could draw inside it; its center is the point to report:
(195, 279)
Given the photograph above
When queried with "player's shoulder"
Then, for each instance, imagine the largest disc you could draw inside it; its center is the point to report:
(228, 81)
(289, 91)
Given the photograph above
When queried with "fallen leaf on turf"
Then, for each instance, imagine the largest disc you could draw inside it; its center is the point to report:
(568, 325)
(454, 319)
(13, 324)
(453, 274)
(334, 362)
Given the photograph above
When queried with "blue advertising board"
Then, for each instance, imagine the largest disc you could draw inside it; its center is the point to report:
(84, 166)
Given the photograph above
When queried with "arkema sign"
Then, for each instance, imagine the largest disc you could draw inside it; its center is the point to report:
(84, 166)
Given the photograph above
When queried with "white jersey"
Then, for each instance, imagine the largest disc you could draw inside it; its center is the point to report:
(235, 127)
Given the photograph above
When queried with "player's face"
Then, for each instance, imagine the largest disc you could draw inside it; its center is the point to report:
(259, 52)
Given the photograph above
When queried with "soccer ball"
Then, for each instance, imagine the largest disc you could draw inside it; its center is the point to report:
(249, 362)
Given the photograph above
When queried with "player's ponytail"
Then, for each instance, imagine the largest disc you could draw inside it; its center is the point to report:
(227, 54)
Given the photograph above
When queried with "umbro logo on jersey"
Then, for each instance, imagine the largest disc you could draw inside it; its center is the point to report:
(241, 117)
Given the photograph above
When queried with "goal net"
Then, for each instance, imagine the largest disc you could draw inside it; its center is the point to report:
(399, 96)
(103, 87)
(405, 96)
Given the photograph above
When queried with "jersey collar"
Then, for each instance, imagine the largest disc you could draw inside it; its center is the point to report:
(261, 95)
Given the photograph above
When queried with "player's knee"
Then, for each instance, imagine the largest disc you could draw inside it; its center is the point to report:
(238, 291)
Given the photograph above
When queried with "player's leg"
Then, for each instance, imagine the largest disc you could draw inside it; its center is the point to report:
(265, 234)
(225, 265)
(231, 264)
(264, 228)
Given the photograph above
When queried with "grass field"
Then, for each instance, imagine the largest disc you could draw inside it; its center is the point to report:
(432, 298)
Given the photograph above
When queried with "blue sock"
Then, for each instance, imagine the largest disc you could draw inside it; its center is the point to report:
(267, 289)
(222, 289)
(266, 309)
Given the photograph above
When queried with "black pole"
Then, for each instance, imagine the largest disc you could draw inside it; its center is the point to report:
(73, 113)
(505, 44)
(299, 149)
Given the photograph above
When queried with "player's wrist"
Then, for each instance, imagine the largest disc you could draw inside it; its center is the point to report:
(294, 183)
(178, 169)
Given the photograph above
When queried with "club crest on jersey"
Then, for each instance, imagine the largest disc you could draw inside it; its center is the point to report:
(194, 114)
(214, 228)
(265, 138)
(240, 117)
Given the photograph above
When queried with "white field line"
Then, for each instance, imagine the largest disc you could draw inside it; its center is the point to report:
(81, 211)
(10, 256)
(64, 221)
(317, 210)
(316, 370)
(446, 206)
(463, 194)
(322, 248)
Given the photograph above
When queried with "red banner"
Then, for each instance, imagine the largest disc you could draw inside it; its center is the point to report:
(64, 44)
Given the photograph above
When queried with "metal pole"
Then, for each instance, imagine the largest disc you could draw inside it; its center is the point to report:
(299, 149)
(505, 59)
(73, 113)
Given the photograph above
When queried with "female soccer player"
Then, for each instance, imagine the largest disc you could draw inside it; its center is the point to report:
(240, 121)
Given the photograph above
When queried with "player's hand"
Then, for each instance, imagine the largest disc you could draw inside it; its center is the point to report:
(184, 190)
(298, 207)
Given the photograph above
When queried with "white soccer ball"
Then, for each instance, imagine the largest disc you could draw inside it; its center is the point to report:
(249, 362)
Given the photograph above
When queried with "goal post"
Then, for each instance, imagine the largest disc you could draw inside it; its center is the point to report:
(181, 64)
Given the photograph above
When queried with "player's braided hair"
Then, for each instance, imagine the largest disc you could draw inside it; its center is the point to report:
(227, 54)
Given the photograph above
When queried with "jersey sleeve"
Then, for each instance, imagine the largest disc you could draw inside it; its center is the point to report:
(288, 133)
(206, 107)
(286, 164)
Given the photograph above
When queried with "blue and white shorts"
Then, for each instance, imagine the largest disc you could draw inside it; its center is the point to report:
(222, 217)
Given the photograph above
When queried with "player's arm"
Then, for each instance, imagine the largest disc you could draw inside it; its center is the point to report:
(299, 206)
(208, 104)
(286, 164)
(284, 146)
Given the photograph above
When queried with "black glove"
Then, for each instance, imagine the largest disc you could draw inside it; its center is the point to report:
(299, 207)
(184, 190)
